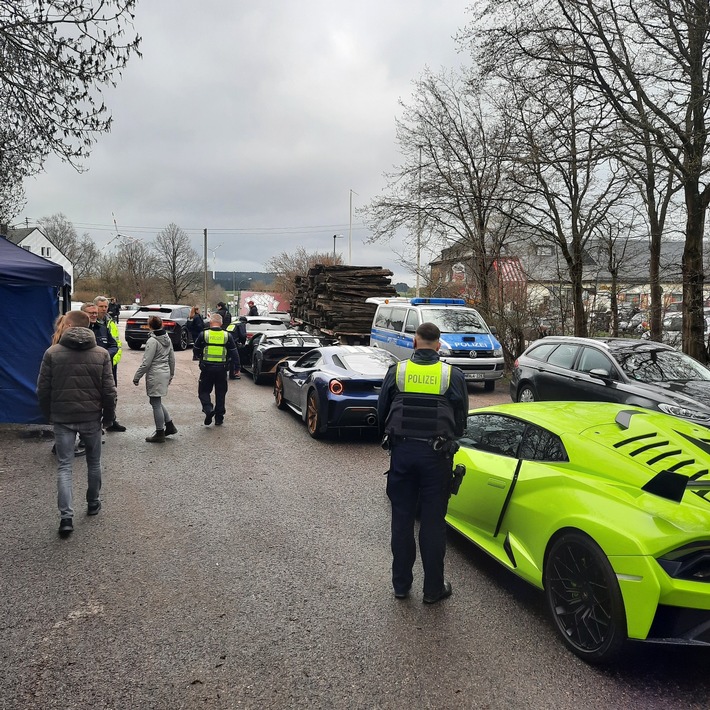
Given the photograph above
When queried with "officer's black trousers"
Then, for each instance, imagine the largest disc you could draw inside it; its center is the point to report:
(212, 377)
(418, 474)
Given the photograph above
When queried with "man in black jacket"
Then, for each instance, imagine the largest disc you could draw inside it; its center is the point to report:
(225, 314)
(76, 392)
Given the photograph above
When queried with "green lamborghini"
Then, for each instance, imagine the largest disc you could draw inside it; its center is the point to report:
(605, 507)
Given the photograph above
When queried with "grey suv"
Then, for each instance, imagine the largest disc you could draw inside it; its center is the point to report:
(624, 370)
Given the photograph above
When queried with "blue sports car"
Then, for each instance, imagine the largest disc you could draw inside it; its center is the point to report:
(333, 387)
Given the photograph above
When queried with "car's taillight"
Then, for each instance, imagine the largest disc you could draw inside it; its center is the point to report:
(131, 321)
(336, 387)
(169, 324)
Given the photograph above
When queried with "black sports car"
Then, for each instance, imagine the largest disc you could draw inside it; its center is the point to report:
(174, 321)
(263, 351)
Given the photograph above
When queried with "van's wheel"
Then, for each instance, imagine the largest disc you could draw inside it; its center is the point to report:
(584, 598)
(489, 385)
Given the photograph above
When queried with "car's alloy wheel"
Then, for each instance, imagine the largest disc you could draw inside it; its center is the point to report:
(279, 392)
(313, 423)
(584, 598)
(256, 373)
(181, 343)
(526, 394)
(489, 385)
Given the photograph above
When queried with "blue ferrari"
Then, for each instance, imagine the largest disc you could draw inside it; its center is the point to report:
(333, 387)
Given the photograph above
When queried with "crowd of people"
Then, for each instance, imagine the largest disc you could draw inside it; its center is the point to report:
(422, 409)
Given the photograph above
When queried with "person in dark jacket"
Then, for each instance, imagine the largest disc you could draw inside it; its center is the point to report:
(238, 331)
(225, 314)
(253, 310)
(76, 392)
(421, 409)
(195, 324)
(218, 355)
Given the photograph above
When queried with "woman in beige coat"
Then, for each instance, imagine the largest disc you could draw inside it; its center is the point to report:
(158, 366)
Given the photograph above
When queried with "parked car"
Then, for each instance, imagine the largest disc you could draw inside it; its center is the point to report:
(672, 329)
(623, 370)
(284, 316)
(260, 324)
(333, 387)
(263, 351)
(174, 321)
(603, 506)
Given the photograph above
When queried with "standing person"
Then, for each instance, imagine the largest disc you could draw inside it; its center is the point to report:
(195, 324)
(422, 407)
(76, 391)
(114, 310)
(225, 314)
(253, 310)
(112, 327)
(158, 366)
(238, 331)
(218, 354)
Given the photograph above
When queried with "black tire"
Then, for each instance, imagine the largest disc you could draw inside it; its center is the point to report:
(584, 598)
(279, 392)
(134, 344)
(489, 385)
(526, 393)
(182, 340)
(313, 416)
(256, 373)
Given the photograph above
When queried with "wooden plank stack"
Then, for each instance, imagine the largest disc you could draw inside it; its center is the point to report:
(332, 298)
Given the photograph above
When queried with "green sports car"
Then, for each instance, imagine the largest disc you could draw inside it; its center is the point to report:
(603, 506)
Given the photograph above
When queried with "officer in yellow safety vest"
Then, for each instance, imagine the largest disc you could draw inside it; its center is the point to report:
(217, 353)
(422, 408)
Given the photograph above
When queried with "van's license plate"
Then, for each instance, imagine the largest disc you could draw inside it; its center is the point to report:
(473, 375)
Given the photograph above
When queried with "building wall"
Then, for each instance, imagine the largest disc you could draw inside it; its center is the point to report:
(38, 244)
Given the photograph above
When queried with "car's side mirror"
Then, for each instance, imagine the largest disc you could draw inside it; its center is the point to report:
(600, 374)
(493, 329)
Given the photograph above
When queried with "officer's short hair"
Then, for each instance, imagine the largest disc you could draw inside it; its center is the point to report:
(76, 319)
(428, 332)
(216, 318)
(100, 299)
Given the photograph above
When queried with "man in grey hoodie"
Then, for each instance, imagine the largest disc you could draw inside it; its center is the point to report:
(76, 392)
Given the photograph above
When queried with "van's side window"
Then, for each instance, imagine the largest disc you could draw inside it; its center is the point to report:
(397, 318)
(412, 322)
(383, 316)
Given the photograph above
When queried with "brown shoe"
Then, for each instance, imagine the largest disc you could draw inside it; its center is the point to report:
(157, 438)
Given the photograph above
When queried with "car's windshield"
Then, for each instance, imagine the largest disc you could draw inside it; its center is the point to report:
(661, 366)
(454, 320)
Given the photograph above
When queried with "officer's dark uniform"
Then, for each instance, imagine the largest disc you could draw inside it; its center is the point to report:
(217, 353)
(238, 331)
(422, 405)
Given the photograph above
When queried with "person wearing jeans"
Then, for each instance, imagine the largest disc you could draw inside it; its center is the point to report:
(76, 393)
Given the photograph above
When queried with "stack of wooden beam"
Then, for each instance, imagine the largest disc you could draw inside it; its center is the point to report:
(332, 298)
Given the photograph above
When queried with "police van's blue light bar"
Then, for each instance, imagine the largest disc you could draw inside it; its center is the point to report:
(439, 301)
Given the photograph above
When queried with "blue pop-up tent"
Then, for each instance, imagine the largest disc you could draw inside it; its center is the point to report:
(31, 288)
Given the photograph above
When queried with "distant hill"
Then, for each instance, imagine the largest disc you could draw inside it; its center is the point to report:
(239, 280)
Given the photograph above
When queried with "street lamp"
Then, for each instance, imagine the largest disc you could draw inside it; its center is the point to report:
(336, 236)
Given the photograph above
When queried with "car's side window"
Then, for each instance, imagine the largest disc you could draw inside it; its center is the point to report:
(592, 359)
(542, 351)
(542, 445)
(412, 322)
(309, 359)
(493, 433)
(563, 355)
(383, 317)
(397, 319)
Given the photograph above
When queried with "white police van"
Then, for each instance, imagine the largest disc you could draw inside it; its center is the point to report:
(466, 340)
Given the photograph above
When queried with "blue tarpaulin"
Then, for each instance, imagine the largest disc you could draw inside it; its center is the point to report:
(30, 291)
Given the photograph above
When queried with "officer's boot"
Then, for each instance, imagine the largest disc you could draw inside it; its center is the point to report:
(157, 438)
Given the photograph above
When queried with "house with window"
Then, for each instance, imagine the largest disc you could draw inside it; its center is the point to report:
(34, 240)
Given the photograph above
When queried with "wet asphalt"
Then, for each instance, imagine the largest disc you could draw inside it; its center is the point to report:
(247, 566)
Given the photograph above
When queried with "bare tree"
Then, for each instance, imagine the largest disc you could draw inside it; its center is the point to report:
(82, 253)
(450, 184)
(56, 56)
(178, 266)
(286, 266)
(650, 61)
(136, 263)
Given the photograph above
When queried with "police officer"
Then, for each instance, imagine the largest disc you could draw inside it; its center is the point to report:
(102, 303)
(238, 331)
(218, 354)
(422, 408)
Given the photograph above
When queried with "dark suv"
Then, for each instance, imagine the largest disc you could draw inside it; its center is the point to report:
(174, 321)
(624, 370)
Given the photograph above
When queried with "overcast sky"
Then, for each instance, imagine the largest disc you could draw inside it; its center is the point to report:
(255, 120)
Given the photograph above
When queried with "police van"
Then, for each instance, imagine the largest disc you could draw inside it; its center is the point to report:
(466, 340)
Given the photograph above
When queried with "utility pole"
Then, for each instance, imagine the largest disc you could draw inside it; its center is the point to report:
(350, 229)
(204, 310)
